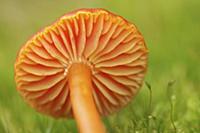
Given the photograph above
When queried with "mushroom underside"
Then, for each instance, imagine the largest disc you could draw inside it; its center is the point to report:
(111, 47)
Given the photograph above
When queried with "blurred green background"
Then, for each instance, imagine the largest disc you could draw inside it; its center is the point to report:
(172, 33)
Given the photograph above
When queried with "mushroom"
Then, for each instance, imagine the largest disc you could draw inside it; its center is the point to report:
(88, 64)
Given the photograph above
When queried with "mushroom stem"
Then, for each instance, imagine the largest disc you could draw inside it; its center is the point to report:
(84, 109)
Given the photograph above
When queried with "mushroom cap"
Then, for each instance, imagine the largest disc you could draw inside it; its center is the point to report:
(112, 47)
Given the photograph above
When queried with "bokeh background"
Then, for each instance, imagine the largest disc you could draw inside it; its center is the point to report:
(171, 29)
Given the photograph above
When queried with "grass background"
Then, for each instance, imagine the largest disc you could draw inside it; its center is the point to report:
(172, 32)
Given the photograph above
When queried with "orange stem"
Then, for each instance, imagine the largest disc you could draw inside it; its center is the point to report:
(84, 109)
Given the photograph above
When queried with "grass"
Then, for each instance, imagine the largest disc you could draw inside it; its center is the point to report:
(171, 30)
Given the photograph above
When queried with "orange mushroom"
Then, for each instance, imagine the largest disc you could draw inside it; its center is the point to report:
(89, 63)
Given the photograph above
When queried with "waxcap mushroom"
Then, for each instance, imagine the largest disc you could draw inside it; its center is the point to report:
(106, 48)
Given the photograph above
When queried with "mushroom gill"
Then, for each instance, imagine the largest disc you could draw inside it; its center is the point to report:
(112, 48)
